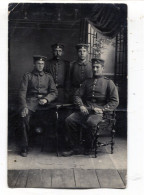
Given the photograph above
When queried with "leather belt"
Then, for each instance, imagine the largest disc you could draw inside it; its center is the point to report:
(96, 100)
(93, 100)
(37, 95)
(59, 86)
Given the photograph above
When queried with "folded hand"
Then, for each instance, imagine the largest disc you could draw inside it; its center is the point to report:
(98, 110)
(84, 110)
(24, 112)
(42, 101)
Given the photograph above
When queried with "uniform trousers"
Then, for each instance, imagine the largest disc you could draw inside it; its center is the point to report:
(24, 129)
(40, 118)
(75, 122)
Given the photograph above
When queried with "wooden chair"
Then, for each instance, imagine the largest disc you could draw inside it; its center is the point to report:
(107, 124)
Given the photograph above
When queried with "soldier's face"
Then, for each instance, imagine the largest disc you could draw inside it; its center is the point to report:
(39, 65)
(82, 53)
(97, 69)
(58, 52)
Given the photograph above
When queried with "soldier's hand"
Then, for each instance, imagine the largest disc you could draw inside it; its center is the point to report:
(24, 112)
(98, 110)
(42, 101)
(84, 110)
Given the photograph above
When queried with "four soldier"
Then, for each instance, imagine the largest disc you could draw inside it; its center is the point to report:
(93, 94)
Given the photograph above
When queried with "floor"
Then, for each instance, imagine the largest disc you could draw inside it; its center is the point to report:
(46, 170)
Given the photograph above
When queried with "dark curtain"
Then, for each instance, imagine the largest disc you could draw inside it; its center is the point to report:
(108, 18)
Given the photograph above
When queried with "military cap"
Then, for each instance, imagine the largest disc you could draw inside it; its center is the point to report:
(57, 46)
(80, 45)
(39, 57)
(97, 61)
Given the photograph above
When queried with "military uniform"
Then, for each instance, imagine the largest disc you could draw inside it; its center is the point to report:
(34, 86)
(80, 70)
(59, 69)
(99, 92)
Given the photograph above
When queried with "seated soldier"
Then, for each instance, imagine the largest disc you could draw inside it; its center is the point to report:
(37, 90)
(95, 96)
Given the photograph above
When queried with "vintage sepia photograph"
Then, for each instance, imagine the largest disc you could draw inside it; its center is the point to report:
(67, 95)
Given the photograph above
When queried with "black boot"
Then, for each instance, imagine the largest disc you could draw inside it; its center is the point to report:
(87, 151)
(70, 152)
(24, 152)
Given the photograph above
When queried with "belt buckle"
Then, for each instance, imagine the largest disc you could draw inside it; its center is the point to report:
(39, 96)
(93, 100)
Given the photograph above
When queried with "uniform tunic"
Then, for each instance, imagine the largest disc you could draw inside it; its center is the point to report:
(98, 92)
(33, 84)
(79, 73)
(59, 69)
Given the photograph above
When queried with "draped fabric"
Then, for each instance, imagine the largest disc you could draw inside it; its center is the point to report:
(108, 18)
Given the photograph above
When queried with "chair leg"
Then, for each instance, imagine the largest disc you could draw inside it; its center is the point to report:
(96, 141)
(56, 133)
(112, 140)
(42, 141)
(57, 147)
(42, 144)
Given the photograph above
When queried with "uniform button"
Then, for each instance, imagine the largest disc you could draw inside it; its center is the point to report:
(93, 95)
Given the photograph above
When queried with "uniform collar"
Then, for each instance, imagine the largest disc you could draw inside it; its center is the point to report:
(98, 77)
(57, 60)
(38, 73)
(82, 62)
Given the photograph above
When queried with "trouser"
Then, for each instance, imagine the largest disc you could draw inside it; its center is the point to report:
(88, 124)
(24, 129)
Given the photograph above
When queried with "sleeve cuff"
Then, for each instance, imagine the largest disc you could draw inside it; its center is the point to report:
(46, 98)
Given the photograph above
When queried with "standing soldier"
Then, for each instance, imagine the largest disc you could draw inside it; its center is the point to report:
(37, 90)
(80, 69)
(59, 69)
(93, 98)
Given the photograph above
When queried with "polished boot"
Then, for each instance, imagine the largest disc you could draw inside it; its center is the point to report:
(87, 151)
(71, 152)
(24, 152)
